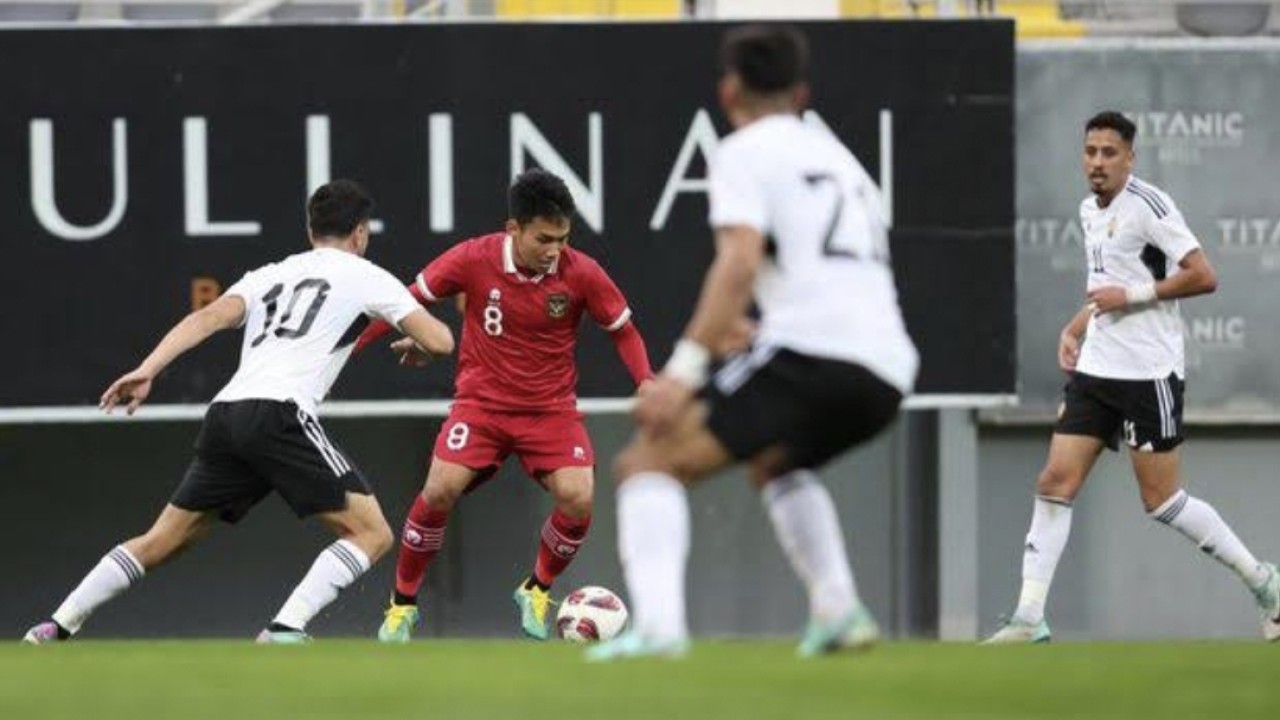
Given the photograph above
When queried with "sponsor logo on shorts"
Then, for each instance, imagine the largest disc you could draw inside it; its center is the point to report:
(579, 453)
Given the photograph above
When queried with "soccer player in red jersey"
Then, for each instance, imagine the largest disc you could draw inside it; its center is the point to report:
(526, 291)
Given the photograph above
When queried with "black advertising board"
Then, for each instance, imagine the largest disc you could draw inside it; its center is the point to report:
(143, 168)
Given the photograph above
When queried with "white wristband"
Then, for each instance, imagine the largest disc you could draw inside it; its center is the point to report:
(688, 363)
(1140, 294)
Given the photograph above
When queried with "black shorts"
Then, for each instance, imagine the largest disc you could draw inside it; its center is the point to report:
(811, 408)
(1145, 414)
(247, 448)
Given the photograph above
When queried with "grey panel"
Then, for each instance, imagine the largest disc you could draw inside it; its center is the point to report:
(1207, 136)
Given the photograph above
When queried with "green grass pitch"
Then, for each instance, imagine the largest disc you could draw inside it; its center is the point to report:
(495, 680)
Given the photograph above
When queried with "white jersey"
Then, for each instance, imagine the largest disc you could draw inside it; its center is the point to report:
(1138, 238)
(827, 289)
(303, 315)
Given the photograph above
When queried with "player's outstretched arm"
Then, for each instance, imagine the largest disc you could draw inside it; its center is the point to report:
(134, 387)
(726, 294)
(632, 351)
(738, 340)
(429, 333)
(380, 328)
(377, 330)
(609, 308)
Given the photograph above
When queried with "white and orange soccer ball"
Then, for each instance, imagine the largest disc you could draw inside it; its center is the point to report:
(589, 614)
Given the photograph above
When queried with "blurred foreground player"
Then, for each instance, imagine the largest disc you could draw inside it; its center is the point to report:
(798, 221)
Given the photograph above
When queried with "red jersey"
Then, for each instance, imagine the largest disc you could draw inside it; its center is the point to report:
(520, 331)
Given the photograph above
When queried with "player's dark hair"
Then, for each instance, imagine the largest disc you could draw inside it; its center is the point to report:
(337, 208)
(769, 58)
(1112, 120)
(538, 193)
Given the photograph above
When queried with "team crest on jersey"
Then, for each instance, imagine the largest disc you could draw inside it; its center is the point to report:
(557, 305)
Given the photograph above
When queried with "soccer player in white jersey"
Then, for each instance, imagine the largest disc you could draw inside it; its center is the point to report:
(1124, 353)
(798, 221)
(301, 317)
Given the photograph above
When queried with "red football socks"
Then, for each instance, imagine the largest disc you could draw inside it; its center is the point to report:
(421, 539)
(561, 537)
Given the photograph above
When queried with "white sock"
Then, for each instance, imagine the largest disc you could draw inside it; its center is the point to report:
(1047, 538)
(336, 567)
(113, 574)
(808, 528)
(653, 541)
(1203, 525)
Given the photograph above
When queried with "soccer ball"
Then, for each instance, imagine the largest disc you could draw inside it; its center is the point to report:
(589, 614)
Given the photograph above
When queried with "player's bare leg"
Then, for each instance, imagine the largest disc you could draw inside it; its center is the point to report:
(1071, 458)
(1159, 476)
(1160, 484)
(807, 526)
(420, 542)
(363, 538)
(119, 569)
(572, 490)
(653, 531)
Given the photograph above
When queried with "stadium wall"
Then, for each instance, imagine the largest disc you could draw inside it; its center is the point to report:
(74, 491)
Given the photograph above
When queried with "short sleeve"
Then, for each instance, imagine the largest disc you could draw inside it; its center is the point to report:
(737, 192)
(1169, 232)
(386, 298)
(248, 287)
(446, 275)
(604, 300)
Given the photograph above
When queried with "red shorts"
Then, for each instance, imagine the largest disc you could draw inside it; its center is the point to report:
(544, 442)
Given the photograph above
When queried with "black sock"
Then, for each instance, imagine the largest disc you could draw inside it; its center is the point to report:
(281, 627)
(63, 633)
(402, 599)
(532, 583)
